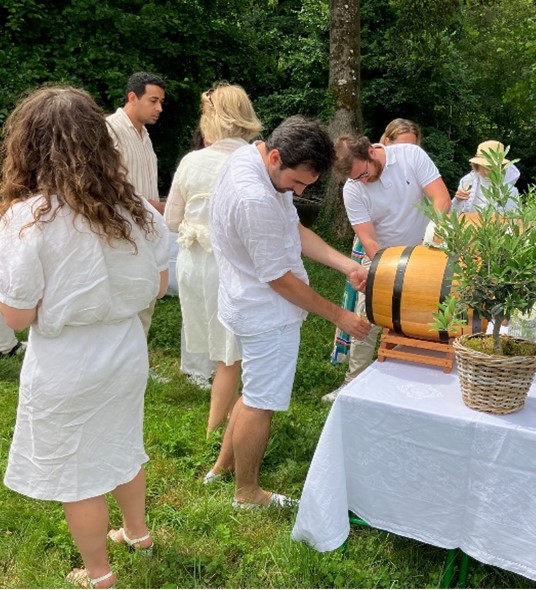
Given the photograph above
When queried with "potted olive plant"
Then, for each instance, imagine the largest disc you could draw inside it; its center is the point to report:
(494, 273)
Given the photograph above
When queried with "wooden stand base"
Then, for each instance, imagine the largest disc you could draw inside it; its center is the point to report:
(394, 346)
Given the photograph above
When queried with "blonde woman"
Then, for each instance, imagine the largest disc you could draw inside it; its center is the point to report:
(82, 255)
(228, 121)
(401, 131)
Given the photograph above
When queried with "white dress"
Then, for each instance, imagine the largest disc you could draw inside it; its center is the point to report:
(187, 209)
(79, 429)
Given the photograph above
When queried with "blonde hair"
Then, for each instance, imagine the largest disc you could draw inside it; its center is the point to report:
(398, 127)
(226, 111)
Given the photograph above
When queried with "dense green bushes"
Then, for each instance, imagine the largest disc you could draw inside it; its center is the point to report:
(464, 69)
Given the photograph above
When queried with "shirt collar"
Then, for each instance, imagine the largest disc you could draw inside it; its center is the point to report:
(390, 160)
(262, 165)
(129, 123)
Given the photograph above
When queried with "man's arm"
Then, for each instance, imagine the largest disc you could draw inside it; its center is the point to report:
(314, 247)
(438, 193)
(299, 293)
(367, 236)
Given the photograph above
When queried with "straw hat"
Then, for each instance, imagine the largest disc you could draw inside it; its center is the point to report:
(487, 146)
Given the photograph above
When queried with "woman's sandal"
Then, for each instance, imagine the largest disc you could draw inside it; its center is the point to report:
(119, 536)
(79, 577)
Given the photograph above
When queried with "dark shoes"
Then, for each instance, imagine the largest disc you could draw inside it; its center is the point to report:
(18, 350)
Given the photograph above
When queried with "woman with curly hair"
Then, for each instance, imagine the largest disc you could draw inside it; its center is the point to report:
(81, 256)
(227, 122)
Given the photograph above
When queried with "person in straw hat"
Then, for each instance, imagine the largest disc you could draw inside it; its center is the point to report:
(470, 194)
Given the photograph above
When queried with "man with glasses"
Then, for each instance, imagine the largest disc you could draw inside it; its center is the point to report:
(383, 188)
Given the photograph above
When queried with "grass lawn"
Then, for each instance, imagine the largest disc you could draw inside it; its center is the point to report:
(201, 541)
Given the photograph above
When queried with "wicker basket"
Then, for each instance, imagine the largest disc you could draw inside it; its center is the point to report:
(494, 384)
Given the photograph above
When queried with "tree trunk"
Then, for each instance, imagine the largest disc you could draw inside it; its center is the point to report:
(344, 86)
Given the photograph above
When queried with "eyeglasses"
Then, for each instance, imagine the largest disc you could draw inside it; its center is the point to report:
(362, 175)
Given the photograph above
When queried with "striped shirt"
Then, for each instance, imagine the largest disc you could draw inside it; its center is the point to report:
(137, 153)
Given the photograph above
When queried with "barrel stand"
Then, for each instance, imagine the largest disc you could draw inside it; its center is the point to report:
(394, 346)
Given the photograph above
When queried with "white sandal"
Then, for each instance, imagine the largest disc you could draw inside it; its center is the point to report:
(212, 477)
(81, 578)
(275, 501)
(131, 543)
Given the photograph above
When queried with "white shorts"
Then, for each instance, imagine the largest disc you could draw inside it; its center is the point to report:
(268, 367)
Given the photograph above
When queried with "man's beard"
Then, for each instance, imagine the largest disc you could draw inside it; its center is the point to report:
(376, 172)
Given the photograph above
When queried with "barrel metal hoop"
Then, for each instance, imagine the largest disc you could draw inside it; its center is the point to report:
(369, 308)
(446, 286)
(396, 302)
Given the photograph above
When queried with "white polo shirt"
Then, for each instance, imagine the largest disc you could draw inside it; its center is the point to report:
(255, 239)
(137, 154)
(390, 202)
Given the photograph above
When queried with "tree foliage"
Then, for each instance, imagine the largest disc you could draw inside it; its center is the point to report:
(463, 69)
(98, 44)
(494, 252)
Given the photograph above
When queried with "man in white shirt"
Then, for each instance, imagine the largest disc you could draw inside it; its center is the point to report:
(144, 101)
(385, 185)
(145, 95)
(264, 293)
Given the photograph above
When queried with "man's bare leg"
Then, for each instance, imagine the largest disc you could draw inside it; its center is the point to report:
(250, 439)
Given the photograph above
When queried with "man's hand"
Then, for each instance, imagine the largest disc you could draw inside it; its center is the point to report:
(358, 278)
(353, 324)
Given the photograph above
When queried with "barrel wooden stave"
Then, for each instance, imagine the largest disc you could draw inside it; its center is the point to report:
(404, 288)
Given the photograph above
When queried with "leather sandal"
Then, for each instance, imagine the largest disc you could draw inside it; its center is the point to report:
(131, 543)
(80, 578)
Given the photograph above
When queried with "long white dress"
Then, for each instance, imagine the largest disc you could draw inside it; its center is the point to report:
(187, 209)
(79, 428)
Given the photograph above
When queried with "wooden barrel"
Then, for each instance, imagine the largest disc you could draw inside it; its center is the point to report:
(405, 285)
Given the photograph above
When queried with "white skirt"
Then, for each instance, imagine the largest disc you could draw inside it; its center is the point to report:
(79, 429)
(197, 276)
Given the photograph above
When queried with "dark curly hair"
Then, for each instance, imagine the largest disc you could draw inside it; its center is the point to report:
(57, 143)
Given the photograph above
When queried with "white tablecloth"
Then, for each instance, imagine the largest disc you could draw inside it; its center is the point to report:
(401, 450)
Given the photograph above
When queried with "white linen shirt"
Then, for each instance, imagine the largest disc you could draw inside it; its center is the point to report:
(137, 154)
(76, 276)
(390, 202)
(255, 239)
